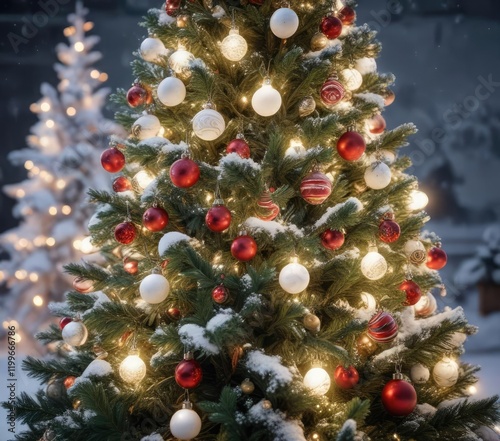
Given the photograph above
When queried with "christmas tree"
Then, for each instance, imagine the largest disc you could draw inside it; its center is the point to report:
(61, 163)
(266, 277)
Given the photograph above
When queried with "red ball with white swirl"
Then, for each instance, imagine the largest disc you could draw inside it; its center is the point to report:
(382, 327)
(332, 92)
(315, 188)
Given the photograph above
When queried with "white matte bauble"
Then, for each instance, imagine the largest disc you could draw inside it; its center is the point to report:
(419, 374)
(179, 62)
(369, 302)
(415, 252)
(318, 380)
(132, 369)
(351, 79)
(234, 47)
(266, 101)
(154, 288)
(366, 65)
(185, 424)
(75, 333)
(284, 23)
(208, 124)
(294, 278)
(146, 126)
(378, 175)
(152, 48)
(426, 306)
(418, 200)
(373, 265)
(171, 91)
(445, 372)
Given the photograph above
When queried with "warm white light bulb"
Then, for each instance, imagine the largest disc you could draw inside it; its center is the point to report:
(373, 266)
(369, 301)
(234, 47)
(38, 301)
(86, 246)
(132, 368)
(418, 200)
(179, 61)
(318, 380)
(267, 100)
(143, 178)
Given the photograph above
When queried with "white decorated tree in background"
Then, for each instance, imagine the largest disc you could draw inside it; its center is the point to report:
(62, 161)
(276, 285)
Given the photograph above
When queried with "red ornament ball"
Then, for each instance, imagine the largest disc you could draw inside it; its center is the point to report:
(64, 321)
(346, 378)
(174, 313)
(121, 184)
(315, 188)
(125, 232)
(240, 147)
(184, 173)
(271, 209)
(389, 97)
(131, 266)
(399, 398)
(112, 160)
(220, 294)
(389, 231)
(332, 239)
(155, 219)
(332, 92)
(377, 124)
(347, 15)
(218, 218)
(382, 327)
(188, 374)
(244, 248)
(413, 292)
(138, 96)
(331, 26)
(69, 381)
(351, 146)
(436, 258)
(172, 6)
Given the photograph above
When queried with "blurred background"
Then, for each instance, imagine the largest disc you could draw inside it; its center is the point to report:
(446, 57)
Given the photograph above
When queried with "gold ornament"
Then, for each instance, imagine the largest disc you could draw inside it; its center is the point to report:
(182, 21)
(266, 404)
(307, 106)
(247, 386)
(415, 251)
(312, 322)
(76, 404)
(365, 345)
(318, 41)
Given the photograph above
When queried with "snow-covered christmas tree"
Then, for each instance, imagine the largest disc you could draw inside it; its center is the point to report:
(276, 285)
(62, 163)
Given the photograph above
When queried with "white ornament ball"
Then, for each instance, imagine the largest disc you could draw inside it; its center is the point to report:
(415, 252)
(382, 155)
(185, 424)
(426, 306)
(151, 49)
(208, 124)
(179, 62)
(266, 101)
(132, 369)
(445, 372)
(366, 65)
(146, 126)
(419, 374)
(318, 380)
(369, 301)
(378, 175)
(351, 79)
(171, 91)
(234, 47)
(154, 288)
(294, 278)
(373, 266)
(75, 333)
(284, 23)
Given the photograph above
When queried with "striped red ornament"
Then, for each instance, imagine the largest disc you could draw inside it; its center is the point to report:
(332, 92)
(382, 327)
(272, 210)
(315, 188)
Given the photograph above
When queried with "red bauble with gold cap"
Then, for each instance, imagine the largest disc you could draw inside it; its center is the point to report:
(220, 294)
(155, 219)
(331, 26)
(412, 290)
(436, 258)
(188, 373)
(138, 95)
(121, 184)
(389, 230)
(172, 6)
(184, 173)
(399, 397)
(125, 233)
(240, 147)
(244, 248)
(315, 188)
(112, 160)
(332, 239)
(351, 146)
(218, 218)
(347, 15)
(346, 378)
